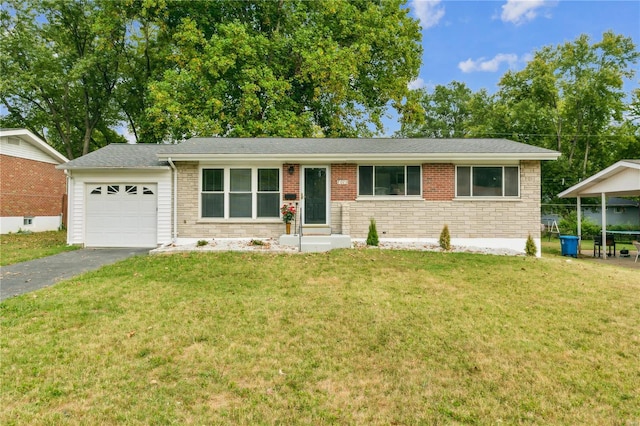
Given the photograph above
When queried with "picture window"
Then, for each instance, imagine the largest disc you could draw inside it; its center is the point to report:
(389, 180)
(487, 181)
(240, 193)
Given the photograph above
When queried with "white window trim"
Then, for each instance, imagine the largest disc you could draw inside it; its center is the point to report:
(387, 197)
(492, 197)
(226, 190)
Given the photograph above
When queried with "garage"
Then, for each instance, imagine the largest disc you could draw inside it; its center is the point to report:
(121, 215)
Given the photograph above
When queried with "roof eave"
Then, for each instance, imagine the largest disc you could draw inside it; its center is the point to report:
(339, 157)
(138, 168)
(576, 190)
(35, 141)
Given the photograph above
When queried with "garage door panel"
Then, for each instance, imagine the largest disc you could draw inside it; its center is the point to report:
(121, 215)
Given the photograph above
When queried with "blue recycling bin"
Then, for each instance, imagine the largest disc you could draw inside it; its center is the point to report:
(569, 245)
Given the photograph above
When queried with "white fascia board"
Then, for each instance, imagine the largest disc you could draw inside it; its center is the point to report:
(582, 189)
(137, 169)
(359, 158)
(29, 137)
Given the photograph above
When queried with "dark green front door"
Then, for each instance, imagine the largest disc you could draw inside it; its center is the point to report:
(315, 195)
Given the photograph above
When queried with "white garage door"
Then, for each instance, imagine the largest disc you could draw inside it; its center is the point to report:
(121, 215)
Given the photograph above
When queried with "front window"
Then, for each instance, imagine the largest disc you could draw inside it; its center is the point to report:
(213, 193)
(389, 180)
(487, 181)
(240, 193)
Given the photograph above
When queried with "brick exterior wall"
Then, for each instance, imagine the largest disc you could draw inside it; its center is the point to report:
(291, 183)
(438, 182)
(190, 225)
(466, 218)
(344, 182)
(397, 218)
(30, 188)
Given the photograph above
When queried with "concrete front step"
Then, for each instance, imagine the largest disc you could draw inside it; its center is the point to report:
(309, 230)
(316, 243)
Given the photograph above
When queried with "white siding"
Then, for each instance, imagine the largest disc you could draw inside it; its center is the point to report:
(164, 210)
(77, 201)
(16, 147)
(75, 221)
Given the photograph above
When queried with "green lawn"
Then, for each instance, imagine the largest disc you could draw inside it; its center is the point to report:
(20, 247)
(347, 337)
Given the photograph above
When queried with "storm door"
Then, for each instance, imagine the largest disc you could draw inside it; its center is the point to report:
(315, 196)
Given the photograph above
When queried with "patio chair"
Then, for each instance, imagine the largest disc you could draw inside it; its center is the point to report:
(636, 244)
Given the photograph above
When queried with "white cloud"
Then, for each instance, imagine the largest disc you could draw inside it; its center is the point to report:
(490, 65)
(418, 83)
(520, 11)
(428, 12)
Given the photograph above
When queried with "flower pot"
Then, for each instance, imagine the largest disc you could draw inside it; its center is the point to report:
(288, 227)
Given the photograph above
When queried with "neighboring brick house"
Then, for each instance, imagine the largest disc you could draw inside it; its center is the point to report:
(32, 190)
(486, 190)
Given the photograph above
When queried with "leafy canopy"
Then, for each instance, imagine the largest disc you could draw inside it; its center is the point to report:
(74, 71)
(294, 69)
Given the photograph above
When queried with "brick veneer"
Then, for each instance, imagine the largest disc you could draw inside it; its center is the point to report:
(30, 188)
(291, 182)
(190, 225)
(465, 218)
(344, 182)
(397, 218)
(438, 182)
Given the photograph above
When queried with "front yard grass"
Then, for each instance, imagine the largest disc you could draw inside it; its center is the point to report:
(346, 337)
(20, 247)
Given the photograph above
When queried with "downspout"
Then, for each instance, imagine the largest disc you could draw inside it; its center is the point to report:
(69, 215)
(174, 173)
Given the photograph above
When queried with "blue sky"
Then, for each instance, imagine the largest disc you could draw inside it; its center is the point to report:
(476, 42)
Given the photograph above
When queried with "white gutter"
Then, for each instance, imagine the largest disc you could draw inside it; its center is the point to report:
(364, 157)
(174, 173)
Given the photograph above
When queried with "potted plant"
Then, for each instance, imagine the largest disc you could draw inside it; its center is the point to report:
(288, 213)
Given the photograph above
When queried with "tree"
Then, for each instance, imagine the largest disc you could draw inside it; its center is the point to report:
(447, 113)
(294, 68)
(73, 71)
(60, 66)
(571, 98)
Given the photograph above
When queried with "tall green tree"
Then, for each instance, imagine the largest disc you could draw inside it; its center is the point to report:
(74, 71)
(60, 63)
(571, 98)
(276, 68)
(447, 112)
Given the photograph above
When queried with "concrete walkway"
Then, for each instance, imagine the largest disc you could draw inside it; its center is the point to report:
(35, 274)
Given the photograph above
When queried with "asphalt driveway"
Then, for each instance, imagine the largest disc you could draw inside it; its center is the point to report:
(35, 274)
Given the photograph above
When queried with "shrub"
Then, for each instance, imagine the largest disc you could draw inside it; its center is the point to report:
(530, 248)
(202, 243)
(445, 238)
(569, 225)
(372, 237)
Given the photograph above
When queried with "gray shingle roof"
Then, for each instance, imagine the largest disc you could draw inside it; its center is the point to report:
(310, 146)
(119, 155)
(149, 156)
